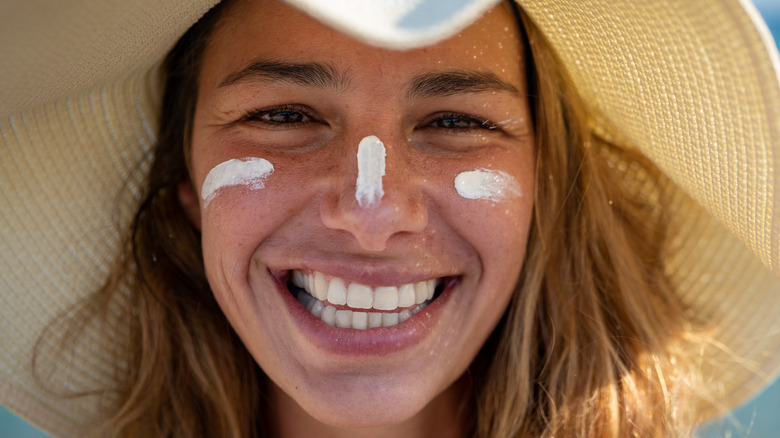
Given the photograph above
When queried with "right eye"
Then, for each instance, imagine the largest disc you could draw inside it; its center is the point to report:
(280, 116)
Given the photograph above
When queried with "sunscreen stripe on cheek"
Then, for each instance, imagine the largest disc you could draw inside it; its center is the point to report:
(371, 169)
(490, 185)
(250, 172)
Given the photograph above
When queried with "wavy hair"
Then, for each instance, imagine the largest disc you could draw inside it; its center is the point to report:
(595, 341)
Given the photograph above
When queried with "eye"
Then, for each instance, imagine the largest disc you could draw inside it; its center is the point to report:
(459, 122)
(280, 116)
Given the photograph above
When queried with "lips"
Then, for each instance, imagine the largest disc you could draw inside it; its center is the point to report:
(341, 304)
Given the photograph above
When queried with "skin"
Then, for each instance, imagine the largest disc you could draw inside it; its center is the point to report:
(380, 382)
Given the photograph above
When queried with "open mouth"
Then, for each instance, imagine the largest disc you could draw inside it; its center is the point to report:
(357, 306)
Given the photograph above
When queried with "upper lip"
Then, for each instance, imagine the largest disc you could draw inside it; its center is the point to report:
(369, 271)
(370, 277)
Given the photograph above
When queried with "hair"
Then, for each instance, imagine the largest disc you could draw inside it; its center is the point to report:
(595, 341)
(592, 344)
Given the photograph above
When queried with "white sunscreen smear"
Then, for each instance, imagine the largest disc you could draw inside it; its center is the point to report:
(371, 169)
(491, 185)
(250, 172)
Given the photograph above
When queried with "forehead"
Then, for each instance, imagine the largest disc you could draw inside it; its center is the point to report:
(272, 30)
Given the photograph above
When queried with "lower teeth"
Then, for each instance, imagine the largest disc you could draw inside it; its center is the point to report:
(352, 319)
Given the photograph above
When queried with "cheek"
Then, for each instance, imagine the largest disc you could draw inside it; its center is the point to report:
(499, 208)
(243, 200)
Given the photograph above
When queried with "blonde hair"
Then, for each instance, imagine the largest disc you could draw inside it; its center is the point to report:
(592, 343)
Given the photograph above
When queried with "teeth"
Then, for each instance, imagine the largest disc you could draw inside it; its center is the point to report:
(359, 296)
(298, 279)
(360, 320)
(406, 296)
(318, 293)
(307, 282)
(329, 316)
(344, 318)
(420, 291)
(374, 320)
(319, 287)
(389, 319)
(317, 309)
(431, 286)
(337, 293)
(386, 298)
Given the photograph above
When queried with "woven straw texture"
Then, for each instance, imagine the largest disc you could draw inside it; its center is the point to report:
(693, 84)
(697, 96)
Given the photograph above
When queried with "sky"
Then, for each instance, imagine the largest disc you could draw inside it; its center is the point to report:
(770, 9)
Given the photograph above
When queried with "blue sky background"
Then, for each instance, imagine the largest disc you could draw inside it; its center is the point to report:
(768, 7)
(759, 418)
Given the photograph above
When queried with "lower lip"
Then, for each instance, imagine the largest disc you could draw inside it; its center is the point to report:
(377, 341)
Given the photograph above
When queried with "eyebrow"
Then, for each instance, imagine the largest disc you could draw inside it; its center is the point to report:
(311, 74)
(323, 75)
(458, 82)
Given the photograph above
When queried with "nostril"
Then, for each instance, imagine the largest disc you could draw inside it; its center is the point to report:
(378, 201)
(373, 226)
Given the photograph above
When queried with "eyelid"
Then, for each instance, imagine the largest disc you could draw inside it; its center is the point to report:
(255, 115)
(480, 121)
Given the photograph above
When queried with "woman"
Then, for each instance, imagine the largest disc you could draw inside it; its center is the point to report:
(342, 291)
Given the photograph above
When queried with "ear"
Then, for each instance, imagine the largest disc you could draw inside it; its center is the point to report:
(190, 202)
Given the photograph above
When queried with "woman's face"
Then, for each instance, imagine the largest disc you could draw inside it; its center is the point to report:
(280, 91)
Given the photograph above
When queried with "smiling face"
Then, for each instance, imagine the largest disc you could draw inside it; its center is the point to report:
(403, 287)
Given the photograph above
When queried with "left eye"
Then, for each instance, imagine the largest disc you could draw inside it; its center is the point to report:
(280, 116)
(460, 122)
(284, 116)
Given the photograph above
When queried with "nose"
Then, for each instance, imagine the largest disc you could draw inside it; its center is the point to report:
(373, 207)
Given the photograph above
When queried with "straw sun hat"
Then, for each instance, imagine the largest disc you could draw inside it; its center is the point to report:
(693, 84)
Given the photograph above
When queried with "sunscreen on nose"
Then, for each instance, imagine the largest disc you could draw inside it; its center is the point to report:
(250, 172)
(371, 168)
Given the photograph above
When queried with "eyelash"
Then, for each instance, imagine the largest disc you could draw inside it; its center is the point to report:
(295, 115)
(439, 121)
(301, 114)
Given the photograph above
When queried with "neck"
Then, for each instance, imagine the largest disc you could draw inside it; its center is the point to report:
(444, 417)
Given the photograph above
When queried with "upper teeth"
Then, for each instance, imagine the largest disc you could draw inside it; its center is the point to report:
(360, 296)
